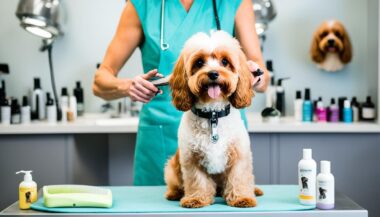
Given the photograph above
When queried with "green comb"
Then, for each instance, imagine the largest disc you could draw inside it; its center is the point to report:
(76, 196)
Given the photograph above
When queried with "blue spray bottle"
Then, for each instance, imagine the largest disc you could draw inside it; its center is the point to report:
(307, 109)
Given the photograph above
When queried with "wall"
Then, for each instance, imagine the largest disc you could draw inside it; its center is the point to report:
(90, 26)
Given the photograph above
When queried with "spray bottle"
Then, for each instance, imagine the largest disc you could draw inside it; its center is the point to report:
(27, 190)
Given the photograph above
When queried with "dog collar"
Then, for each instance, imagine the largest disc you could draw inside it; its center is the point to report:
(213, 117)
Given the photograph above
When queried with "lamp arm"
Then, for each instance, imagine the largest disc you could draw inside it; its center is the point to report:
(49, 48)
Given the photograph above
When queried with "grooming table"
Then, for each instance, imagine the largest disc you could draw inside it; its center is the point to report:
(278, 201)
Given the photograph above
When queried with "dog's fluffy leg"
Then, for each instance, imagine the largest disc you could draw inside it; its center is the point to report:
(173, 178)
(240, 181)
(200, 189)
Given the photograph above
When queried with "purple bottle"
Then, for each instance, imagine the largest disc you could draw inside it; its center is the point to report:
(333, 112)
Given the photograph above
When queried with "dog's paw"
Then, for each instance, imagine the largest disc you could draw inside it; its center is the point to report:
(174, 195)
(194, 202)
(258, 192)
(243, 202)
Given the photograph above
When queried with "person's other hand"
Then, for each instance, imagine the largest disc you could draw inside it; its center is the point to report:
(256, 80)
(141, 89)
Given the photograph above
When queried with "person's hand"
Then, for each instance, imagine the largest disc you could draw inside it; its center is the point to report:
(256, 80)
(141, 89)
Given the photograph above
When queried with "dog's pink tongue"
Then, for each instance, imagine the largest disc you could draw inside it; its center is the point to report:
(214, 91)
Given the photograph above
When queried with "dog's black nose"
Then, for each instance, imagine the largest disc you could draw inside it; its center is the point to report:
(331, 42)
(213, 75)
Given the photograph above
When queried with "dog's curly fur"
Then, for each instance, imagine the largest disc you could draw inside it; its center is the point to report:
(201, 169)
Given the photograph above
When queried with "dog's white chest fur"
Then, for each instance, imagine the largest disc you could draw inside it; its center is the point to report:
(332, 63)
(195, 138)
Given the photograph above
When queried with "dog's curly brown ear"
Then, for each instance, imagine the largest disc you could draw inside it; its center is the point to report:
(182, 97)
(346, 54)
(317, 55)
(242, 97)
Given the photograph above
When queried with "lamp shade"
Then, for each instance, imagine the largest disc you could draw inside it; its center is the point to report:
(265, 12)
(40, 17)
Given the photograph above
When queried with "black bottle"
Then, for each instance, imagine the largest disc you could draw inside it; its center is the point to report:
(15, 112)
(368, 112)
(78, 93)
(341, 107)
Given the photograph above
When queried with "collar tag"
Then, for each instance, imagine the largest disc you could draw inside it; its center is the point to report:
(214, 127)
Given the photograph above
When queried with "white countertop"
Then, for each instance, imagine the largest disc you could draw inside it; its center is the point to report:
(100, 123)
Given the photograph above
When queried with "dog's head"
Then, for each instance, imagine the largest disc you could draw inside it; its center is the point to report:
(211, 68)
(331, 37)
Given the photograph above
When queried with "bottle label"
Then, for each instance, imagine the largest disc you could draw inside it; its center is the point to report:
(306, 182)
(325, 192)
(368, 113)
(27, 196)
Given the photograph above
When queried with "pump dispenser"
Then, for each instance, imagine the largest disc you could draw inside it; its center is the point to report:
(325, 187)
(280, 96)
(307, 172)
(27, 190)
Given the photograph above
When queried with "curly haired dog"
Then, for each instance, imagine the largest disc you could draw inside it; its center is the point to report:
(210, 82)
(331, 47)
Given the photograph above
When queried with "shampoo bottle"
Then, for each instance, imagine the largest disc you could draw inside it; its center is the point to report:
(368, 110)
(333, 112)
(355, 110)
(25, 111)
(5, 112)
(325, 187)
(78, 93)
(298, 102)
(27, 190)
(51, 109)
(271, 90)
(72, 114)
(38, 100)
(280, 97)
(307, 109)
(15, 112)
(64, 104)
(347, 112)
(307, 172)
(321, 111)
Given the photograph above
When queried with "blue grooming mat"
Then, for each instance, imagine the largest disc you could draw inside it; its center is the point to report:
(132, 199)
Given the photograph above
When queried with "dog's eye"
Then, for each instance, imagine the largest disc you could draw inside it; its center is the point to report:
(225, 62)
(338, 34)
(324, 34)
(199, 63)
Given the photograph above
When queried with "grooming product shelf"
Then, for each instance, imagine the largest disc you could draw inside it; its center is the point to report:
(100, 123)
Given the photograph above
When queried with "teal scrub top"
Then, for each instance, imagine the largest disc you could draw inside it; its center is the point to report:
(159, 120)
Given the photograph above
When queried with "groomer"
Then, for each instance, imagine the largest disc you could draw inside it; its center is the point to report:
(160, 29)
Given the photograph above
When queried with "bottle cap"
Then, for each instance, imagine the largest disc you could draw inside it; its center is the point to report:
(279, 81)
(78, 84)
(28, 175)
(64, 91)
(320, 99)
(307, 154)
(332, 101)
(325, 166)
(269, 64)
(298, 94)
(320, 104)
(307, 94)
(37, 83)
(24, 101)
(369, 99)
(347, 104)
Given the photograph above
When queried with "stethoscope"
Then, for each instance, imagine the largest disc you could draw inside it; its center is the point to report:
(165, 45)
